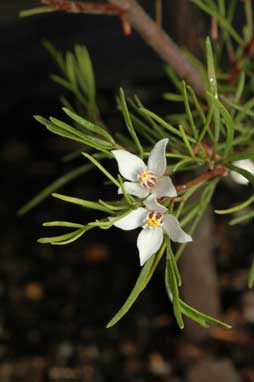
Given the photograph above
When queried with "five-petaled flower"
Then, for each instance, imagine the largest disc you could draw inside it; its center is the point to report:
(145, 179)
(155, 222)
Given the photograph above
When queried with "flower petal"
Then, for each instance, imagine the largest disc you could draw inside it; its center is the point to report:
(135, 189)
(129, 165)
(172, 227)
(149, 241)
(164, 187)
(157, 162)
(152, 204)
(245, 164)
(133, 220)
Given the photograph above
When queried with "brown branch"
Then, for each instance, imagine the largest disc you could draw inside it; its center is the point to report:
(92, 8)
(210, 174)
(162, 44)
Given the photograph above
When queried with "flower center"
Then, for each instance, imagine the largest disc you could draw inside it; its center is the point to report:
(148, 179)
(154, 220)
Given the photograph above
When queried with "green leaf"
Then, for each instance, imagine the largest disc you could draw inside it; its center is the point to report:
(129, 124)
(60, 223)
(240, 87)
(236, 208)
(229, 125)
(66, 238)
(142, 281)
(211, 68)
(246, 174)
(86, 71)
(201, 318)
(87, 138)
(64, 130)
(102, 169)
(188, 110)
(36, 11)
(223, 22)
(55, 54)
(248, 154)
(186, 142)
(70, 70)
(165, 124)
(82, 202)
(138, 288)
(88, 126)
(54, 186)
(172, 287)
(173, 97)
(197, 104)
(242, 218)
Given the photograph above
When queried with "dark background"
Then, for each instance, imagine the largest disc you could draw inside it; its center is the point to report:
(55, 302)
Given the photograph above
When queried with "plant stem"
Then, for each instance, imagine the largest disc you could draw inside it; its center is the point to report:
(162, 44)
(210, 174)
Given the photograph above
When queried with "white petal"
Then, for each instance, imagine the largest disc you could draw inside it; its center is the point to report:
(135, 189)
(152, 204)
(157, 160)
(129, 165)
(172, 227)
(133, 220)
(149, 241)
(245, 164)
(165, 187)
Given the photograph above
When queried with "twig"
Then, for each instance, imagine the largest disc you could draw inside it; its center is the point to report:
(158, 12)
(210, 174)
(158, 39)
(92, 8)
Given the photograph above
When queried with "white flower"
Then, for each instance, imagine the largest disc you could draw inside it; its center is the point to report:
(245, 164)
(155, 223)
(146, 179)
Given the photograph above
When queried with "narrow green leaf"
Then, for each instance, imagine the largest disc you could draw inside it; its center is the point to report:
(211, 68)
(36, 11)
(197, 104)
(62, 224)
(82, 202)
(55, 54)
(165, 124)
(188, 110)
(70, 70)
(229, 125)
(54, 186)
(242, 218)
(129, 124)
(236, 208)
(59, 238)
(223, 22)
(172, 287)
(138, 288)
(86, 70)
(141, 283)
(186, 142)
(173, 97)
(195, 315)
(240, 87)
(102, 169)
(88, 126)
(246, 174)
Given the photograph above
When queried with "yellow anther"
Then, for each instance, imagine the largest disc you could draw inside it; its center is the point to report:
(154, 220)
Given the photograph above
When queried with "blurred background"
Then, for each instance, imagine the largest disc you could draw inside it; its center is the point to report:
(55, 301)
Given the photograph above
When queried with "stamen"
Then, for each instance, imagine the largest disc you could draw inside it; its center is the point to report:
(148, 179)
(154, 220)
